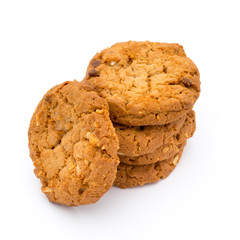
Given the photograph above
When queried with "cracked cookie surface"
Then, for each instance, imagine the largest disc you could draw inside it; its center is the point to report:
(73, 145)
(144, 83)
(170, 146)
(129, 176)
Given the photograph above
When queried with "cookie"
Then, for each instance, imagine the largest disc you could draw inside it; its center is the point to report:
(144, 83)
(188, 128)
(160, 154)
(167, 150)
(136, 141)
(129, 176)
(73, 145)
(140, 140)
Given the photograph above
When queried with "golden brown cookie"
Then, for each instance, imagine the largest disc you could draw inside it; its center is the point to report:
(136, 141)
(73, 145)
(144, 83)
(160, 154)
(129, 176)
(169, 149)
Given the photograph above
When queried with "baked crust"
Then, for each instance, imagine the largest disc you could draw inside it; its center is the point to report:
(73, 145)
(144, 83)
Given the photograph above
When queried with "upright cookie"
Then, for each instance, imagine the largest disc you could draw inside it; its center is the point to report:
(144, 83)
(169, 149)
(73, 145)
(129, 176)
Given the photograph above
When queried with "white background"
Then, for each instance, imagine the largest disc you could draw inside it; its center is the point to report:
(43, 43)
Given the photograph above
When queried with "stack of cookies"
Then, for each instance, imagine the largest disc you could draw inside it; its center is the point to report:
(125, 124)
(150, 89)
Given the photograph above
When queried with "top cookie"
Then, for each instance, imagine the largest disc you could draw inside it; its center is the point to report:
(144, 83)
(73, 145)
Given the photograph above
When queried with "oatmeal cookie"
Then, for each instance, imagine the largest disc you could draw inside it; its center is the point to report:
(73, 145)
(169, 149)
(144, 83)
(129, 176)
(136, 141)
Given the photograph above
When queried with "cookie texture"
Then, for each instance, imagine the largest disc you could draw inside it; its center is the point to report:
(129, 176)
(160, 154)
(140, 140)
(169, 149)
(144, 83)
(73, 145)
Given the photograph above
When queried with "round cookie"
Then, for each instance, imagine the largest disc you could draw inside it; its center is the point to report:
(167, 150)
(144, 83)
(136, 141)
(73, 145)
(160, 154)
(129, 176)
